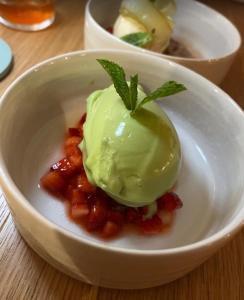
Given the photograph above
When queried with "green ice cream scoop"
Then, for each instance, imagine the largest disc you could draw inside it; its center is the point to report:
(134, 158)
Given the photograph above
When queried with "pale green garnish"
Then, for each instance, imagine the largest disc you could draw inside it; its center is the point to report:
(128, 93)
(140, 39)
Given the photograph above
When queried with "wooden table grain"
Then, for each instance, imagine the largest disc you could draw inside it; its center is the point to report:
(23, 274)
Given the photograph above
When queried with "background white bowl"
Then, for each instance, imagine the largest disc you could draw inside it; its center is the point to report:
(41, 104)
(201, 28)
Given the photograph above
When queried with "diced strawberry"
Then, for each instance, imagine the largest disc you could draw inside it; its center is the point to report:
(75, 132)
(102, 195)
(110, 229)
(143, 210)
(69, 192)
(133, 215)
(72, 151)
(72, 141)
(79, 210)
(82, 120)
(76, 161)
(77, 197)
(116, 216)
(84, 185)
(64, 167)
(169, 201)
(167, 217)
(53, 182)
(152, 226)
(71, 145)
(98, 215)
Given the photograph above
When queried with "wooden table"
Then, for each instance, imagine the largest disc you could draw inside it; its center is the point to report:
(23, 274)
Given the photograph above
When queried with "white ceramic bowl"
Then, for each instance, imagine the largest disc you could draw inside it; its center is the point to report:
(35, 112)
(201, 28)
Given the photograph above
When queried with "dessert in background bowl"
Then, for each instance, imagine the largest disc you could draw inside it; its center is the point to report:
(197, 31)
(50, 97)
(150, 24)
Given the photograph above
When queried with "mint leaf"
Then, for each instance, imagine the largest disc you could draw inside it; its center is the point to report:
(117, 75)
(129, 93)
(133, 91)
(140, 39)
(167, 89)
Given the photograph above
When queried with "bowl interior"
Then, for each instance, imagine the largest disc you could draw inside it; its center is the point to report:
(197, 26)
(38, 109)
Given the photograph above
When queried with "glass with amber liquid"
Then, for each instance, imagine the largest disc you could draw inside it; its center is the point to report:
(30, 15)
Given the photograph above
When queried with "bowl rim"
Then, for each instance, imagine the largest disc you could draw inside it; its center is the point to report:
(10, 187)
(178, 59)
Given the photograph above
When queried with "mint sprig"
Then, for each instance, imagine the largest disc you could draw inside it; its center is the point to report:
(129, 93)
(167, 89)
(117, 75)
(133, 91)
(140, 39)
